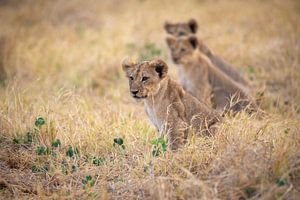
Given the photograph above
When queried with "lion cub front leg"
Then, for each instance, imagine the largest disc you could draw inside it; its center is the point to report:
(176, 127)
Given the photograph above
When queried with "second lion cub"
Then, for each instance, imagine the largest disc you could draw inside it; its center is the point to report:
(200, 75)
(190, 28)
(169, 107)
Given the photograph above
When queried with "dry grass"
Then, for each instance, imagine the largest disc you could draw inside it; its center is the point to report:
(62, 62)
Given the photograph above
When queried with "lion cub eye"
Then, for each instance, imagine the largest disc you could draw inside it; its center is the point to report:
(182, 50)
(131, 77)
(145, 78)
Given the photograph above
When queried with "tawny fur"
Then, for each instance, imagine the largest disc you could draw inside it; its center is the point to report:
(169, 107)
(190, 28)
(202, 77)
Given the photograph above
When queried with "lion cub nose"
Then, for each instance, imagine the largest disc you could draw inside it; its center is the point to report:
(134, 92)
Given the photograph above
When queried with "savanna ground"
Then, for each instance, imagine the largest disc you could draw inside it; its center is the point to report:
(65, 109)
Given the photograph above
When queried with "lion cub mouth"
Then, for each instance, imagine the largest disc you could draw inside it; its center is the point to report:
(138, 98)
(176, 60)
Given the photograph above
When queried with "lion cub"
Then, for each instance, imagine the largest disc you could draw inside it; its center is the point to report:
(198, 71)
(169, 107)
(190, 28)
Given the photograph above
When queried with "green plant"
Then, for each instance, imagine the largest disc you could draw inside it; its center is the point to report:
(250, 191)
(160, 146)
(36, 169)
(88, 181)
(29, 137)
(41, 150)
(40, 121)
(281, 182)
(64, 168)
(98, 161)
(16, 141)
(56, 143)
(26, 139)
(119, 142)
(72, 152)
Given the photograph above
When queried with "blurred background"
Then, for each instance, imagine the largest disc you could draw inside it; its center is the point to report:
(80, 44)
(61, 78)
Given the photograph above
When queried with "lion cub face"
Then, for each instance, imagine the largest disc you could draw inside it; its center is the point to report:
(182, 48)
(144, 77)
(181, 29)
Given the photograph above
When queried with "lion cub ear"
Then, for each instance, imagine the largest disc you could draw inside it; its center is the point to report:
(168, 27)
(194, 41)
(193, 25)
(170, 41)
(128, 64)
(161, 68)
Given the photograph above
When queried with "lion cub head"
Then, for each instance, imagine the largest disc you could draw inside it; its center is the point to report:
(182, 48)
(181, 29)
(144, 77)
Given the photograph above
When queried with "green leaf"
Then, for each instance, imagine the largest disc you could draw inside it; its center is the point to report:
(46, 168)
(281, 182)
(29, 137)
(43, 169)
(87, 179)
(160, 145)
(118, 141)
(16, 141)
(48, 151)
(41, 150)
(154, 142)
(250, 191)
(34, 169)
(64, 169)
(98, 161)
(53, 154)
(56, 143)
(39, 121)
(164, 147)
(92, 183)
(76, 151)
(155, 152)
(72, 152)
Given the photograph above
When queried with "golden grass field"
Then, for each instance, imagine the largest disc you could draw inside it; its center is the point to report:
(62, 63)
